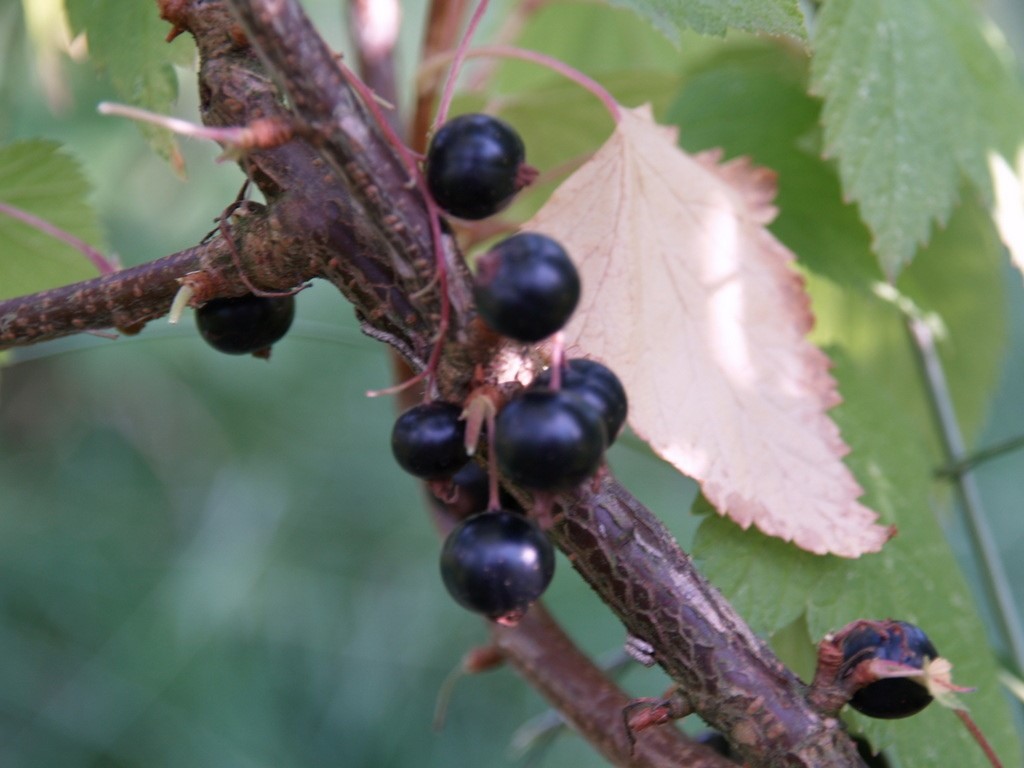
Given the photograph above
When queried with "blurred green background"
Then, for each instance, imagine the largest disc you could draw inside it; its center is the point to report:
(214, 561)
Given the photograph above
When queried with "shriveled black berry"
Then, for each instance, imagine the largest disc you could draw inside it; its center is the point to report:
(548, 441)
(428, 440)
(473, 165)
(598, 386)
(526, 287)
(245, 324)
(497, 563)
(896, 641)
(471, 490)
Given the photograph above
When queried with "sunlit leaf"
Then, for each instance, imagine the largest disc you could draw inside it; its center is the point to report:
(697, 308)
(1009, 204)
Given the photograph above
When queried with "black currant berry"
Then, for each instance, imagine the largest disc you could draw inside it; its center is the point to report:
(895, 641)
(497, 563)
(473, 165)
(548, 441)
(598, 386)
(245, 324)
(428, 440)
(526, 287)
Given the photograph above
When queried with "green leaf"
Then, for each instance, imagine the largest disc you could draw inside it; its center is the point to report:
(915, 578)
(915, 98)
(963, 262)
(127, 40)
(582, 123)
(556, 144)
(750, 100)
(714, 17)
(39, 179)
(590, 37)
(749, 566)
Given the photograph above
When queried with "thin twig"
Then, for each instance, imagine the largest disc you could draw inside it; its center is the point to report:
(981, 456)
(986, 551)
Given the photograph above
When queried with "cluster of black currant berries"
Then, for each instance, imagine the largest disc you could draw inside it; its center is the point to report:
(550, 437)
(494, 562)
(497, 562)
(245, 325)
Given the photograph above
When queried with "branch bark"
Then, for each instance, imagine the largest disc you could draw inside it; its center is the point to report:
(339, 206)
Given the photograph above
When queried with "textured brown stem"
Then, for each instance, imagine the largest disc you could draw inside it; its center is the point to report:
(591, 704)
(727, 673)
(128, 299)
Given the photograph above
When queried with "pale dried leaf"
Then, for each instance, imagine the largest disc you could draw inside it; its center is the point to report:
(690, 300)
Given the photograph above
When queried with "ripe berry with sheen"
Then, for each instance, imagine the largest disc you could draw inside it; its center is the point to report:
(246, 324)
(598, 386)
(428, 440)
(497, 563)
(526, 287)
(474, 166)
(548, 441)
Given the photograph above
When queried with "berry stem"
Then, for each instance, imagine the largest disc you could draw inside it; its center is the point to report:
(262, 133)
(557, 359)
(979, 737)
(434, 213)
(441, 33)
(555, 65)
(493, 492)
(102, 263)
(456, 65)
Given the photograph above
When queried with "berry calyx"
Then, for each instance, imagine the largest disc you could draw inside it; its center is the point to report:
(598, 386)
(474, 166)
(896, 642)
(428, 440)
(247, 324)
(526, 287)
(548, 441)
(497, 563)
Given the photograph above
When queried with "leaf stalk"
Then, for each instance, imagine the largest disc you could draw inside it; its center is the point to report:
(986, 551)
